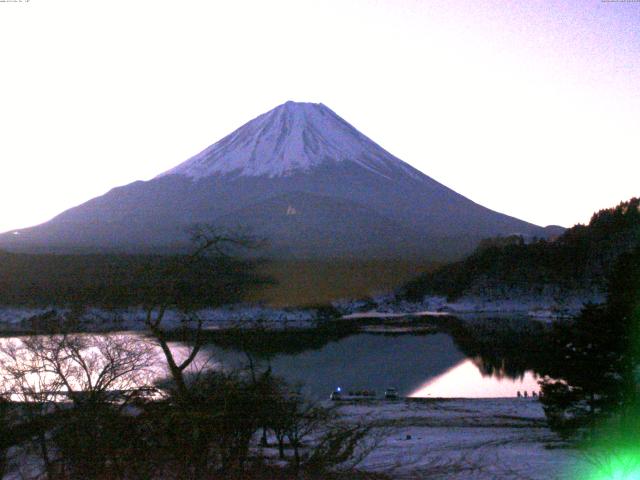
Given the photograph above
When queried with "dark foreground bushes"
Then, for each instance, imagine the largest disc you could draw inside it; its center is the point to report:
(596, 361)
(85, 407)
(89, 406)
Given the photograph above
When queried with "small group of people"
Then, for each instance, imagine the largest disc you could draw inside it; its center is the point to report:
(526, 394)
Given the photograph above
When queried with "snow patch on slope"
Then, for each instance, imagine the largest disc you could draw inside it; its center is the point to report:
(291, 138)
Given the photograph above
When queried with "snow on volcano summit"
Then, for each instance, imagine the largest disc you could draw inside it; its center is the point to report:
(292, 137)
(299, 176)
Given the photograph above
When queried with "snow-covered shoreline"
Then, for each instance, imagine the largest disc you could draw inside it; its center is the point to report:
(25, 319)
(248, 316)
(533, 306)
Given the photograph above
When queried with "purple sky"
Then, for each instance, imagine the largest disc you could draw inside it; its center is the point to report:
(531, 108)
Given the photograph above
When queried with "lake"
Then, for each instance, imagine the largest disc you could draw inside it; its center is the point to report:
(494, 358)
(416, 365)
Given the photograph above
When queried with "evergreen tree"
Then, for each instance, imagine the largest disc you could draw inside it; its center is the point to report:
(595, 357)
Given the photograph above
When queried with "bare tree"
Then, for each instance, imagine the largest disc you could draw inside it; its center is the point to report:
(342, 446)
(81, 366)
(25, 380)
(209, 276)
(100, 374)
(215, 417)
(301, 419)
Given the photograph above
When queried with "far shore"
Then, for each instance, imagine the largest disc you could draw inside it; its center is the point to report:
(381, 316)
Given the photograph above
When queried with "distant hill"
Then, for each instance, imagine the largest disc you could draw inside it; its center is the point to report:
(40, 280)
(578, 259)
(298, 175)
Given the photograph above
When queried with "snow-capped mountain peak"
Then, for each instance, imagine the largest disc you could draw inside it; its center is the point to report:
(299, 176)
(292, 137)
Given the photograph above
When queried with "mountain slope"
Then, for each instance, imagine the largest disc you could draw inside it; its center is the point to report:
(301, 224)
(360, 201)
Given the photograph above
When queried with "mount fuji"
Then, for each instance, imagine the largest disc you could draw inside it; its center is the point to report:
(299, 176)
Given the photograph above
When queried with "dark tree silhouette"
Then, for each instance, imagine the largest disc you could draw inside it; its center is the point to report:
(581, 258)
(597, 356)
(212, 275)
(75, 391)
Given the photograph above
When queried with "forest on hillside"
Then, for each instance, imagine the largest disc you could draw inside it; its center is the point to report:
(578, 260)
(113, 281)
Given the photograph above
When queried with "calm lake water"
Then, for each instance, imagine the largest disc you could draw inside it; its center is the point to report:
(416, 365)
(497, 361)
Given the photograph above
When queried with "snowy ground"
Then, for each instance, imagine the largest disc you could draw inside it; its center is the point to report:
(18, 319)
(259, 316)
(535, 306)
(463, 439)
(470, 439)
(132, 319)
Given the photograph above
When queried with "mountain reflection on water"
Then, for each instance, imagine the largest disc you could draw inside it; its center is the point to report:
(488, 359)
(466, 380)
(361, 361)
